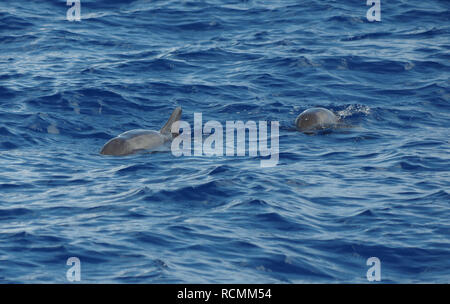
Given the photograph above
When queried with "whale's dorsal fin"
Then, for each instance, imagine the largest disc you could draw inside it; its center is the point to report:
(176, 115)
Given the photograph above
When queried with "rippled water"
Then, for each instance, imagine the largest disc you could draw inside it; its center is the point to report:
(377, 189)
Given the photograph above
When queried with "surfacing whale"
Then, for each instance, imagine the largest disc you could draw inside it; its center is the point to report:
(316, 119)
(139, 140)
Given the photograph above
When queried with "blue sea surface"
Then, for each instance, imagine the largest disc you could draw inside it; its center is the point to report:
(379, 187)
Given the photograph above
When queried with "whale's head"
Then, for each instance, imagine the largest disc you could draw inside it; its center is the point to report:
(307, 121)
(315, 119)
(116, 146)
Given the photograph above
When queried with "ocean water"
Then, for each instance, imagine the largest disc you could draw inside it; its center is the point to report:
(377, 188)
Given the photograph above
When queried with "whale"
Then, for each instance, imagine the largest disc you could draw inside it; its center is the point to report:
(314, 119)
(134, 141)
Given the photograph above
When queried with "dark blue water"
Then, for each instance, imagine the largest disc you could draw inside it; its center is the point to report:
(379, 188)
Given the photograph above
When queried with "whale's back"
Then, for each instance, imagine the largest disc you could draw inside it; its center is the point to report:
(132, 141)
(136, 140)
